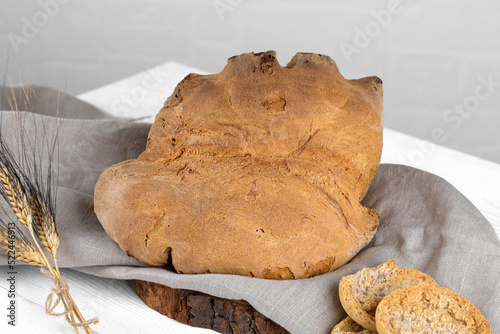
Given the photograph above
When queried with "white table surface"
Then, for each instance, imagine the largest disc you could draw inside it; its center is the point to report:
(115, 302)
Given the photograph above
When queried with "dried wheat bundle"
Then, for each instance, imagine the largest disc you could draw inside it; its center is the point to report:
(28, 190)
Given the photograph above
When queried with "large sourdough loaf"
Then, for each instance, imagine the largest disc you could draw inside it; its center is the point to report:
(257, 170)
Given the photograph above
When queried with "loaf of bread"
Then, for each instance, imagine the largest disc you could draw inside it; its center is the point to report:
(428, 309)
(257, 170)
(361, 293)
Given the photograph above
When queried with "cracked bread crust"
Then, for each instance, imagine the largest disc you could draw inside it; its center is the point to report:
(257, 171)
(349, 326)
(428, 309)
(361, 293)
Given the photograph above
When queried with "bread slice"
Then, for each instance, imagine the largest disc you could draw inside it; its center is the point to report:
(349, 326)
(361, 293)
(428, 309)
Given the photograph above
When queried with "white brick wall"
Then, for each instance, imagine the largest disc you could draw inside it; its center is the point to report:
(431, 55)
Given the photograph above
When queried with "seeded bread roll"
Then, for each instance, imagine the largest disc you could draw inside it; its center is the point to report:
(257, 170)
(428, 309)
(349, 326)
(361, 293)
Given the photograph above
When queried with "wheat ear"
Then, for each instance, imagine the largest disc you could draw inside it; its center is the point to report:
(15, 196)
(23, 249)
(45, 225)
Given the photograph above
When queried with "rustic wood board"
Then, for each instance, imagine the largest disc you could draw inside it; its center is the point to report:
(201, 310)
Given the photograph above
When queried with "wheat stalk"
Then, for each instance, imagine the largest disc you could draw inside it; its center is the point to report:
(31, 206)
(15, 195)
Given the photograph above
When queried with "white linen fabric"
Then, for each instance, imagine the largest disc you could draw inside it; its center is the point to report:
(425, 224)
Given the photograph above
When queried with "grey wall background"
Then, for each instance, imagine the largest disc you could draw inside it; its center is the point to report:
(439, 60)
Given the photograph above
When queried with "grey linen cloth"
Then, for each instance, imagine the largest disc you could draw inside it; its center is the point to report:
(425, 224)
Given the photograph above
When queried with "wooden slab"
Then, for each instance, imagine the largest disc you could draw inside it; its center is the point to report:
(201, 310)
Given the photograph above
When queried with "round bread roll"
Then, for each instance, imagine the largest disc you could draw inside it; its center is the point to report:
(428, 309)
(257, 170)
(361, 293)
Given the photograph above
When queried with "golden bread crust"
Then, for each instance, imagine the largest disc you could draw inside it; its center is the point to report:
(257, 170)
(428, 309)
